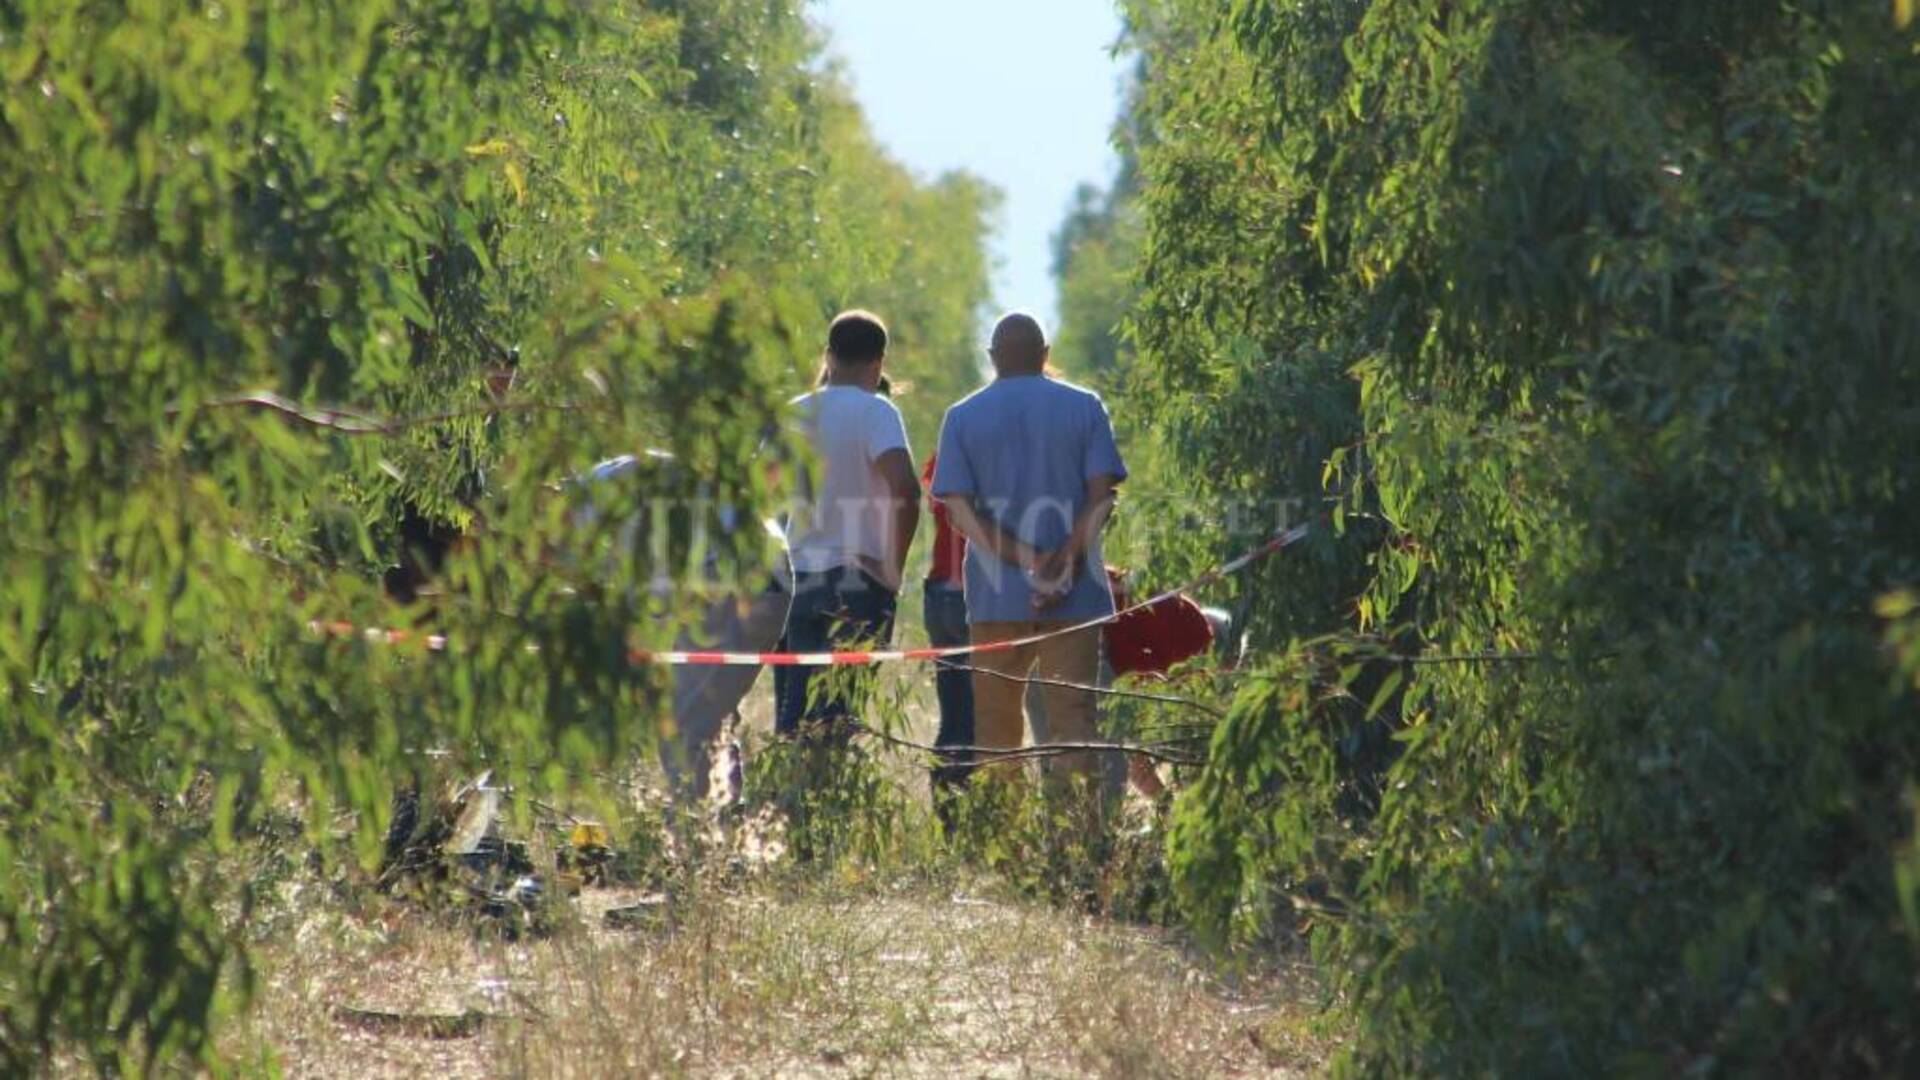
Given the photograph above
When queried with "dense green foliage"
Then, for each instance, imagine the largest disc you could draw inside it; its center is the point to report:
(1595, 326)
(1593, 329)
(644, 210)
(1094, 252)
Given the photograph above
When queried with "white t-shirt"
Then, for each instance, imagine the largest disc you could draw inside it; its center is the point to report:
(850, 521)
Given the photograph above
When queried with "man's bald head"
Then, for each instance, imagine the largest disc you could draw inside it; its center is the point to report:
(1019, 345)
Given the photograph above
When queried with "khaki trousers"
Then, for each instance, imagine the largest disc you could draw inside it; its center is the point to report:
(998, 717)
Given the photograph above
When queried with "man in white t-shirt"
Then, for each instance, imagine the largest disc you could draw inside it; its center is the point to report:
(849, 541)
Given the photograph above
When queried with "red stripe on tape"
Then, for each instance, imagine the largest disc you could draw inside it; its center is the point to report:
(1279, 542)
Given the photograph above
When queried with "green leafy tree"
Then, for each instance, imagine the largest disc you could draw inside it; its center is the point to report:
(914, 253)
(1094, 252)
(1601, 313)
(219, 209)
(1097, 246)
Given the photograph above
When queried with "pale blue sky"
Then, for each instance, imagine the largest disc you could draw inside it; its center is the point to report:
(1020, 92)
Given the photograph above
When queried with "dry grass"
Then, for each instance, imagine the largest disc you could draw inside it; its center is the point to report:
(841, 978)
(927, 970)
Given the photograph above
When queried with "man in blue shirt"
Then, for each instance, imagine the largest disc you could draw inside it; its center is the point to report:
(1029, 472)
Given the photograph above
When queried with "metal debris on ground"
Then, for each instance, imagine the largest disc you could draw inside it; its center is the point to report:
(479, 813)
(458, 843)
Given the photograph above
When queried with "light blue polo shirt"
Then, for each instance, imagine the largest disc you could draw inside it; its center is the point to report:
(1024, 447)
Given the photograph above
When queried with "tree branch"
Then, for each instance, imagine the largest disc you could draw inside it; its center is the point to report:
(347, 422)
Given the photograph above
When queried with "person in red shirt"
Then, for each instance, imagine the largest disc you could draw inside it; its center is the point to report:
(946, 619)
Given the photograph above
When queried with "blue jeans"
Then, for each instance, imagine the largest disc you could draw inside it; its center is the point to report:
(833, 610)
(946, 619)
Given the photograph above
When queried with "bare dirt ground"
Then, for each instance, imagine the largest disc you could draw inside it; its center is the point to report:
(764, 972)
(844, 978)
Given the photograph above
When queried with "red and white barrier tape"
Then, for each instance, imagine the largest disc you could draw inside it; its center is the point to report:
(438, 642)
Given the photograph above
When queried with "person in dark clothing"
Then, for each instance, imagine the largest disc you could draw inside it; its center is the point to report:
(946, 618)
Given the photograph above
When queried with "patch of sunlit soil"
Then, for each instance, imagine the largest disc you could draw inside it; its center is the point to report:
(759, 979)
